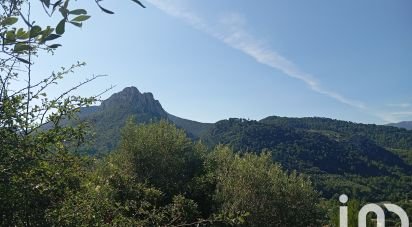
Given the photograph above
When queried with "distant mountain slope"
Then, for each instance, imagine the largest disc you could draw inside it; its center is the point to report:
(396, 140)
(368, 162)
(108, 118)
(195, 129)
(389, 137)
(312, 149)
(402, 124)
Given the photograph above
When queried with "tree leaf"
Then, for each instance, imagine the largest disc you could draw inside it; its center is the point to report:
(35, 31)
(46, 32)
(19, 47)
(52, 37)
(64, 12)
(54, 46)
(78, 24)
(78, 12)
(105, 10)
(61, 27)
(66, 4)
(9, 21)
(47, 3)
(138, 2)
(81, 18)
(21, 34)
(55, 5)
(23, 60)
(10, 36)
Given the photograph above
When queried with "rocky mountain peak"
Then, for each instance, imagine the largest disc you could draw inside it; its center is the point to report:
(130, 98)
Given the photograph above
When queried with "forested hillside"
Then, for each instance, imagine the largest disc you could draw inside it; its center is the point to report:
(385, 136)
(340, 156)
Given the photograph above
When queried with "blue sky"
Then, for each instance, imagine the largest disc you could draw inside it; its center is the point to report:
(211, 60)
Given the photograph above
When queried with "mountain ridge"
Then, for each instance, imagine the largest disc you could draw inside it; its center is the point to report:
(403, 124)
(111, 114)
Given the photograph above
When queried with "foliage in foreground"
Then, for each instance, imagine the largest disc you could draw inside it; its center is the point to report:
(159, 177)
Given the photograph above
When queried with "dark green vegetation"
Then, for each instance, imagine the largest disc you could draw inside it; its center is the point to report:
(157, 176)
(363, 161)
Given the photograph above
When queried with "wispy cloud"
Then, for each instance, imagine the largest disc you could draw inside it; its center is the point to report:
(235, 36)
(395, 116)
(402, 113)
(400, 105)
(397, 112)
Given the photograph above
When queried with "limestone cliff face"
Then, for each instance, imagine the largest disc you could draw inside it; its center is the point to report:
(108, 118)
(134, 101)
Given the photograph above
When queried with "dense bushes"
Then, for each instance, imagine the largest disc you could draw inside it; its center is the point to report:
(253, 185)
(158, 177)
